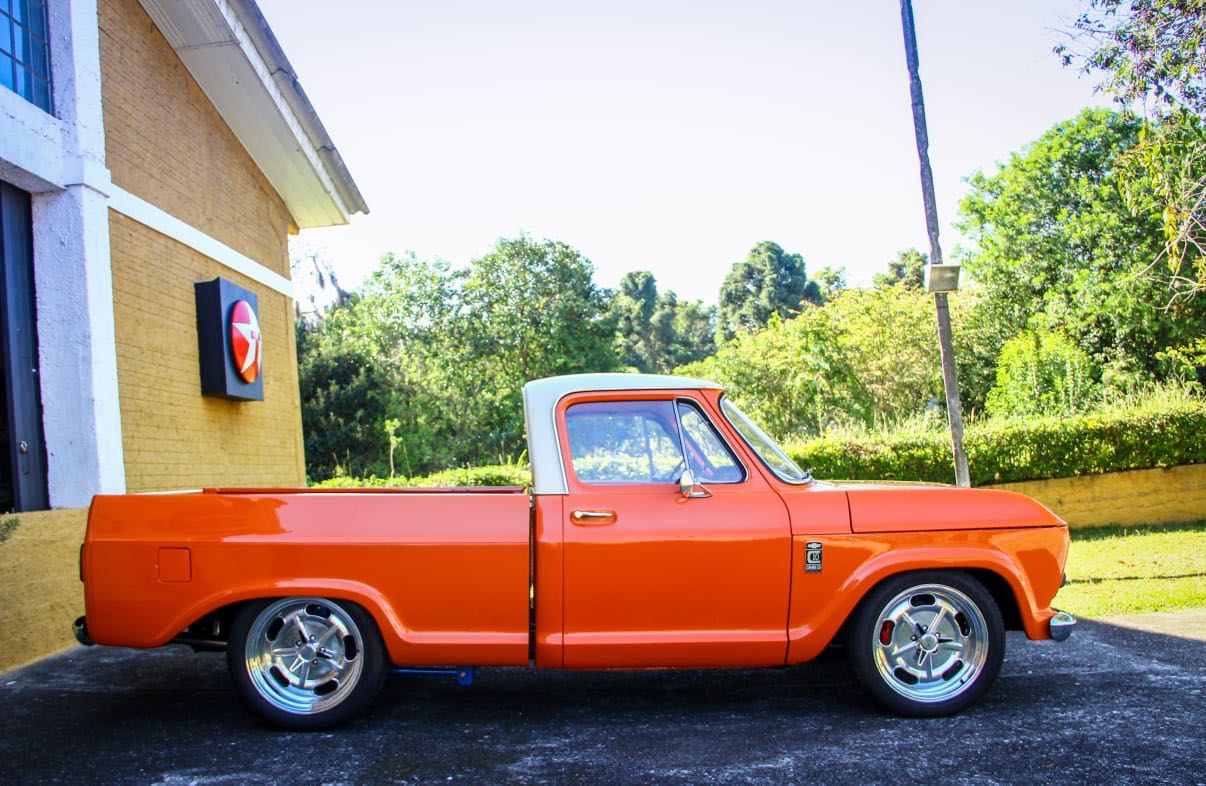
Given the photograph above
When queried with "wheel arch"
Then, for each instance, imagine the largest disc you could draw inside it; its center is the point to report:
(1005, 582)
(1003, 594)
(997, 585)
(222, 608)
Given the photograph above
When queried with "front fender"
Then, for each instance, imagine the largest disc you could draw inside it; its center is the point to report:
(1029, 561)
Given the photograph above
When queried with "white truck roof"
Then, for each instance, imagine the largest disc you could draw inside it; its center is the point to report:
(540, 399)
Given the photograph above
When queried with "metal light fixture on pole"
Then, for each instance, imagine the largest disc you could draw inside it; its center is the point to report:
(940, 278)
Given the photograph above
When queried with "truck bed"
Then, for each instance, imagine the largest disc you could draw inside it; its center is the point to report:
(444, 572)
(369, 490)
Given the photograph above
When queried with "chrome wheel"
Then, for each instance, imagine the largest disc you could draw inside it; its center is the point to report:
(930, 643)
(304, 655)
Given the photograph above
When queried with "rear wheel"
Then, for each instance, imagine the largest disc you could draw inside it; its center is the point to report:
(928, 643)
(306, 663)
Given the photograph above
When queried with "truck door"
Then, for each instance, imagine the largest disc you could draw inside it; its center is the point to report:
(653, 577)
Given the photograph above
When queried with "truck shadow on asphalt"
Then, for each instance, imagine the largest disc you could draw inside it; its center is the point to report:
(1111, 704)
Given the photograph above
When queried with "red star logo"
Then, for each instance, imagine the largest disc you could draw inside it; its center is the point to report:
(246, 342)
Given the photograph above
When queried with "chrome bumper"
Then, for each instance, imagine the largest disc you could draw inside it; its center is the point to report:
(81, 632)
(1061, 625)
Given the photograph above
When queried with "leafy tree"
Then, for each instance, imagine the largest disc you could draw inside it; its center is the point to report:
(1154, 52)
(1043, 373)
(532, 310)
(632, 308)
(425, 362)
(1056, 242)
(340, 399)
(906, 270)
(889, 337)
(769, 281)
(407, 322)
(693, 327)
(655, 332)
(793, 376)
(830, 281)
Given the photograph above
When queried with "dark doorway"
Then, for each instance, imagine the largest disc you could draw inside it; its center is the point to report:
(22, 450)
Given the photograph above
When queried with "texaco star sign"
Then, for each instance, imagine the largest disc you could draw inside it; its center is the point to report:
(246, 342)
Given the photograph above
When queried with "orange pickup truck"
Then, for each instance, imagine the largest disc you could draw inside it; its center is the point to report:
(664, 529)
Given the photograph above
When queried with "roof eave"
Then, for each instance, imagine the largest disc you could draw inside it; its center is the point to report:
(233, 55)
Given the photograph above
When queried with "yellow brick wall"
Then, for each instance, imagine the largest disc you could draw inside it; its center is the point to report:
(41, 593)
(173, 436)
(165, 142)
(1142, 496)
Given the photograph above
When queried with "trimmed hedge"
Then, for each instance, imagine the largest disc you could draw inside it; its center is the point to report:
(1011, 451)
(495, 475)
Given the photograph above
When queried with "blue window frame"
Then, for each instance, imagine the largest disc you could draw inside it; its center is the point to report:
(25, 50)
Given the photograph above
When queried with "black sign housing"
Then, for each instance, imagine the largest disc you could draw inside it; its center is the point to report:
(219, 376)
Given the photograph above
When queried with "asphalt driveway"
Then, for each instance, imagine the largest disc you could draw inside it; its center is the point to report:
(1114, 704)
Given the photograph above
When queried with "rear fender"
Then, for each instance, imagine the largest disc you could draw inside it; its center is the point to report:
(389, 622)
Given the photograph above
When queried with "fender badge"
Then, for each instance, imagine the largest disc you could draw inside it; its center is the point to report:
(812, 557)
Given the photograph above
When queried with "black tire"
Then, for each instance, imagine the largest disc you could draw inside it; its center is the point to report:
(306, 663)
(912, 668)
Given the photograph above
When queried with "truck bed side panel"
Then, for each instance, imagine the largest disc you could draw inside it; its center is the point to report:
(444, 575)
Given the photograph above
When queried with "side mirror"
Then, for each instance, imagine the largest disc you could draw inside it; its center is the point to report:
(690, 488)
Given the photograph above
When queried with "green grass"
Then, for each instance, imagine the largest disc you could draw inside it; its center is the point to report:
(1133, 570)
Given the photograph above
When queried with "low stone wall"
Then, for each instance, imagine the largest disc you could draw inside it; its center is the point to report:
(1141, 496)
(40, 589)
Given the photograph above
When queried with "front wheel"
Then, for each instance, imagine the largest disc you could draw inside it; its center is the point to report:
(306, 663)
(928, 643)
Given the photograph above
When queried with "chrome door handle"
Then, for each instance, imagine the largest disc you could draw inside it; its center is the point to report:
(588, 518)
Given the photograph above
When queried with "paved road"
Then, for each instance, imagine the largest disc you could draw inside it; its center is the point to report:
(1114, 704)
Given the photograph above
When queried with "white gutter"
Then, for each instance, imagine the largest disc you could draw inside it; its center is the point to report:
(286, 79)
(231, 52)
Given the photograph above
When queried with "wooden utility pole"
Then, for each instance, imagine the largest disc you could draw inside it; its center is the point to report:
(954, 407)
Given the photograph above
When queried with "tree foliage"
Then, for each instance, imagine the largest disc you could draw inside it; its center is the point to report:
(1144, 49)
(341, 391)
(655, 332)
(830, 281)
(769, 281)
(898, 368)
(906, 270)
(1153, 53)
(791, 376)
(1057, 246)
(429, 360)
(531, 309)
(421, 368)
(1042, 373)
(867, 356)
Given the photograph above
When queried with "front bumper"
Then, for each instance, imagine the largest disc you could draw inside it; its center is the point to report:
(81, 632)
(1061, 625)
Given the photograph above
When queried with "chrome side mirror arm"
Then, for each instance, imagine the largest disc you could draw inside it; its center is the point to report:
(691, 489)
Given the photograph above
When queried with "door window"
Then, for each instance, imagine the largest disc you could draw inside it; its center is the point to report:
(711, 460)
(640, 442)
(624, 442)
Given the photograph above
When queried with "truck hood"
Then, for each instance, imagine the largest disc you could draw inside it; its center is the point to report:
(917, 507)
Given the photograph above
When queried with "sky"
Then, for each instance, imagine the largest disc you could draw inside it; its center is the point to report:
(667, 135)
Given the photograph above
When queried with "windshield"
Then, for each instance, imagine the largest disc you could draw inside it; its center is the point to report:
(771, 454)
